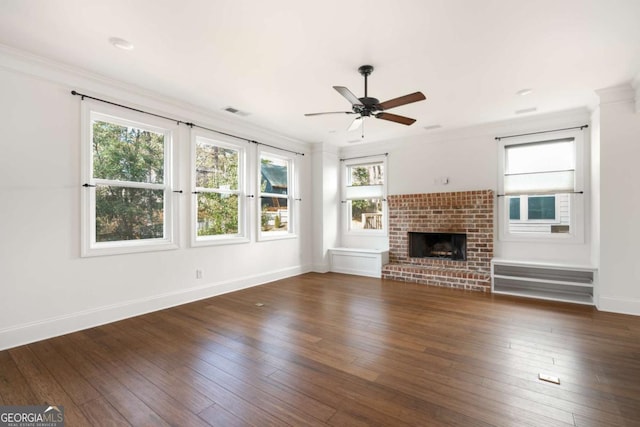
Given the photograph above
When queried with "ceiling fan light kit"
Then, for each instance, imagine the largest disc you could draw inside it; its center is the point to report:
(371, 107)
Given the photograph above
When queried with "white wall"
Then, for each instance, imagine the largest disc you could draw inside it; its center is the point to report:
(595, 195)
(326, 203)
(619, 201)
(46, 288)
(468, 158)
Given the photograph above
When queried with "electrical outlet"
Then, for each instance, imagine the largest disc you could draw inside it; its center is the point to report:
(198, 274)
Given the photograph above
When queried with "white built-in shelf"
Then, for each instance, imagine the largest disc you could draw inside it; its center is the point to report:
(542, 280)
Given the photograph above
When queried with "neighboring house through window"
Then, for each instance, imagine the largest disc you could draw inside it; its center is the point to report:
(275, 196)
(542, 180)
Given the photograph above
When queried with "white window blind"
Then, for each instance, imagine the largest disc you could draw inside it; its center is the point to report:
(540, 168)
(354, 192)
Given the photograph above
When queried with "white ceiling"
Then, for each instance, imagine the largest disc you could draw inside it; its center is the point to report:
(279, 59)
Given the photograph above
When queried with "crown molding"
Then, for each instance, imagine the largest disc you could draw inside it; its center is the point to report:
(614, 94)
(100, 86)
(558, 119)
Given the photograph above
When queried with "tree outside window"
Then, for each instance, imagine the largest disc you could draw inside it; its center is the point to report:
(217, 188)
(364, 194)
(124, 156)
(275, 195)
(127, 168)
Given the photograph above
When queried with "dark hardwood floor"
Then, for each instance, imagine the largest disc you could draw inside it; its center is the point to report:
(331, 349)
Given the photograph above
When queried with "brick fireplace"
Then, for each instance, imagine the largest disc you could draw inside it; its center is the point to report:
(468, 213)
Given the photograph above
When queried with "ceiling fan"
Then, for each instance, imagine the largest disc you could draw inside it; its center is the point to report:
(371, 107)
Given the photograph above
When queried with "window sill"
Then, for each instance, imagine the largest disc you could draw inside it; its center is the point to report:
(123, 249)
(219, 241)
(267, 238)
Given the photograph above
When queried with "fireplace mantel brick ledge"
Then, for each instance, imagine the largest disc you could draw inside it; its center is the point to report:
(469, 212)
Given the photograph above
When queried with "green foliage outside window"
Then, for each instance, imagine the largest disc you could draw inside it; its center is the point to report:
(217, 169)
(363, 175)
(130, 155)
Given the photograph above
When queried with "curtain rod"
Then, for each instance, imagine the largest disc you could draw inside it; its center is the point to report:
(498, 138)
(190, 124)
(541, 194)
(364, 157)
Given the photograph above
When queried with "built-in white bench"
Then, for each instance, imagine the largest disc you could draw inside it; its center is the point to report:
(362, 262)
(544, 280)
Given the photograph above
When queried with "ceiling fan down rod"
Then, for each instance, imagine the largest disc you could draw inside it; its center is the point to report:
(365, 70)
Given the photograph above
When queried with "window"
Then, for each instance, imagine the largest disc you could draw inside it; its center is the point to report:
(218, 202)
(541, 178)
(275, 196)
(364, 196)
(128, 175)
(541, 208)
(514, 208)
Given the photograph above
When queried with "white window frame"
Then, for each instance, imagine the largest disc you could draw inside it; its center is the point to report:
(197, 136)
(346, 182)
(292, 185)
(576, 201)
(89, 246)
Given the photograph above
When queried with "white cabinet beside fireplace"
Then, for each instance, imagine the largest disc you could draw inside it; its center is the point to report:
(361, 262)
(542, 280)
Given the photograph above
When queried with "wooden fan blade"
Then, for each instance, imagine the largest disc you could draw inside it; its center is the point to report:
(329, 112)
(395, 118)
(348, 94)
(355, 124)
(403, 100)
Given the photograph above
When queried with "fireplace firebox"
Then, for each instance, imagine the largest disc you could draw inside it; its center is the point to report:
(452, 246)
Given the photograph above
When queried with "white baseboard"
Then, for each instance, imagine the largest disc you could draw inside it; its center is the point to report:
(617, 305)
(321, 268)
(48, 328)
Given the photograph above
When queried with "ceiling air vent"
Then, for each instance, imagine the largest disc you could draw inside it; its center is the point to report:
(236, 111)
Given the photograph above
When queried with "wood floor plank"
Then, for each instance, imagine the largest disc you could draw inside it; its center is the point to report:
(217, 416)
(232, 403)
(46, 389)
(76, 386)
(100, 413)
(14, 388)
(336, 350)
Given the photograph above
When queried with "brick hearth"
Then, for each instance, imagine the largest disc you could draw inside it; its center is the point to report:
(469, 212)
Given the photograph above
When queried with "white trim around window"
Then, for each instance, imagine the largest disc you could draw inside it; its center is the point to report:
(376, 191)
(226, 221)
(160, 181)
(576, 199)
(276, 195)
